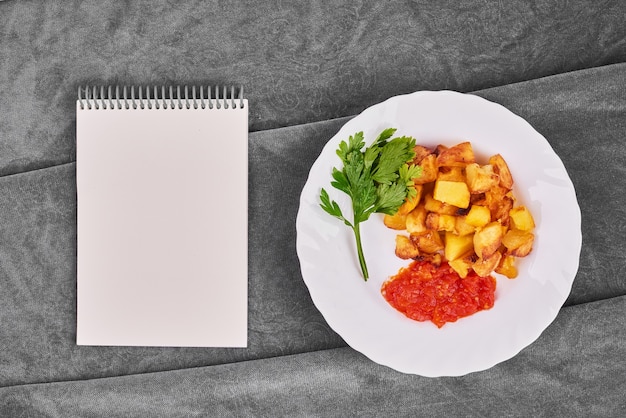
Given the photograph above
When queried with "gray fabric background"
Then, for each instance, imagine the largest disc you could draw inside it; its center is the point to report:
(306, 68)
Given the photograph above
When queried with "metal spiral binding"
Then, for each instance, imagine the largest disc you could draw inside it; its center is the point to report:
(159, 97)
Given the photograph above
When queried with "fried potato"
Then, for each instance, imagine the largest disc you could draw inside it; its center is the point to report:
(487, 239)
(427, 242)
(463, 264)
(494, 195)
(501, 168)
(434, 259)
(439, 149)
(500, 211)
(439, 222)
(415, 221)
(461, 227)
(481, 178)
(506, 267)
(522, 218)
(455, 193)
(429, 170)
(485, 266)
(457, 156)
(464, 213)
(420, 153)
(405, 248)
(478, 199)
(478, 216)
(456, 246)
(451, 174)
(433, 205)
(397, 221)
(518, 243)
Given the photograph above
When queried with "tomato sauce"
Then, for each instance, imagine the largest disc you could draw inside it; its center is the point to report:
(425, 292)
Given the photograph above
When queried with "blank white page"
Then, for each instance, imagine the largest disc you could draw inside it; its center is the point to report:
(162, 226)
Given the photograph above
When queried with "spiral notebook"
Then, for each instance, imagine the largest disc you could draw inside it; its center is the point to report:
(162, 177)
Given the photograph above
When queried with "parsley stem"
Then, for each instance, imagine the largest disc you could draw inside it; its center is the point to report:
(359, 250)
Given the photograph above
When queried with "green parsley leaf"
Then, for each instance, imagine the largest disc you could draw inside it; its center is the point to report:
(378, 180)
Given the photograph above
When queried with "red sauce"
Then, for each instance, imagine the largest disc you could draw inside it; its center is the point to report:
(426, 292)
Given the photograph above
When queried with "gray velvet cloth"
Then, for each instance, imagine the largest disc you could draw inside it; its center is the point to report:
(306, 68)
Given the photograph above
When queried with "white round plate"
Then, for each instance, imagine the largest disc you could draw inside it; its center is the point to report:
(524, 306)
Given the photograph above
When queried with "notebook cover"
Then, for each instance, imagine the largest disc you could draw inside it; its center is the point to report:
(162, 226)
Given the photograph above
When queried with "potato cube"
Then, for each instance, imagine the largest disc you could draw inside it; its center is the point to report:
(501, 210)
(478, 216)
(439, 222)
(451, 174)
(461, 227)
(462, 265)
(480, 179)
(494, 195)
(498, 200)
(457, 156)
(421, 152)
(507, 267)
(428, 242)
(502, 169)
(522, 218)
(456, 245)
(397, 221)
(454, 193)
(439, 149)
(511, 196)
(429, 170)
(405, 248)
(485, 266)
(433, 205)
(416, 220)
(518, 243)
(487, 239)
(434, 259)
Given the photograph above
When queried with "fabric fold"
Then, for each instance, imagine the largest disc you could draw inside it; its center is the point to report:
(573, 370)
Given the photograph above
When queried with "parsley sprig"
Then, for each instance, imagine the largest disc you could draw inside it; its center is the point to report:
(378, 180)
